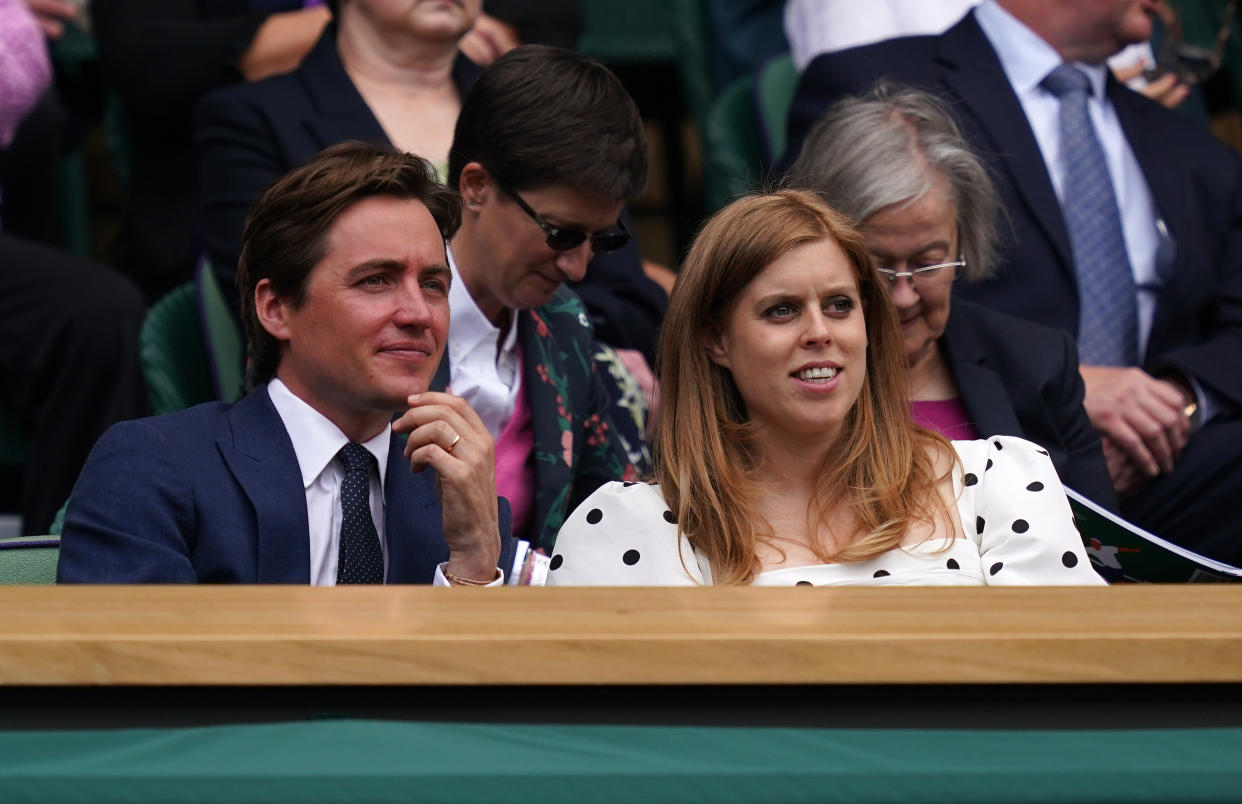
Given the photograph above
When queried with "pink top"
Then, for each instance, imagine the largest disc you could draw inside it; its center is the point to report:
(515, 469)
(25, 70)
(946, 416)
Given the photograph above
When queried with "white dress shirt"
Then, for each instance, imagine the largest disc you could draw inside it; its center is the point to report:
(823, 26)
(316, 441)
(1027, 59)
(483, 360)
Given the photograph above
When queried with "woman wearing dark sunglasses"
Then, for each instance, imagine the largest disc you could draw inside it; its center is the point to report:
(895, 162)
(548, 147)
(386, 72)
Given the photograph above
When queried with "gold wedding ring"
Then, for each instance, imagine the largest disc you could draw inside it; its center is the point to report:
(456, 438)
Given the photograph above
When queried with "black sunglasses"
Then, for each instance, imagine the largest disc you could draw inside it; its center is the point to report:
(565, 239)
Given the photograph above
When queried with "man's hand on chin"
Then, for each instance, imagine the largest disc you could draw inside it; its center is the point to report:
(446, 434)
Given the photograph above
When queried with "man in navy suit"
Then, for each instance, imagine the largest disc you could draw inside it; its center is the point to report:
(345, 282)
(1168, 420)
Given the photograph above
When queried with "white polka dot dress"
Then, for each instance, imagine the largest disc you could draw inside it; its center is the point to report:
(1018, 525)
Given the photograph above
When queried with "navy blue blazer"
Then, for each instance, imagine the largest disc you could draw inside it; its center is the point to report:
(1021, 379)
(1195, 180)
(213, 494)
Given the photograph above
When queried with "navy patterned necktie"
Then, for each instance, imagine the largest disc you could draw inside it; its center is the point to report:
(359, 557)
(1108, 312)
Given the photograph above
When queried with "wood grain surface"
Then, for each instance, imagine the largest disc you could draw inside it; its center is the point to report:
(161, 635)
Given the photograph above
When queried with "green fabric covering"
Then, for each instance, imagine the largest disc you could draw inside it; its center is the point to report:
(29, 559)
(173, 354)
(733, 147)
(352, 761)
(775, 86)
(225, 343)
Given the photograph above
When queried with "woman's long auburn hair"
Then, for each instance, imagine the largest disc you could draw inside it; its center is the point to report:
(705, 446)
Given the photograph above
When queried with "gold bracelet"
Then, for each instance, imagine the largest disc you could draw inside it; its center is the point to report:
(457, 580)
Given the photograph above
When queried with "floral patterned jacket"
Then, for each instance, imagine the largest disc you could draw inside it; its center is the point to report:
(587, 422)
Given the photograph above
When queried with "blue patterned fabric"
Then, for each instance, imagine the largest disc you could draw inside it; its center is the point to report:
(359, 557)
(1108, 314)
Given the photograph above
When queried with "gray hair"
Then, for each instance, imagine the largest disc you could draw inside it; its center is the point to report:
(887, 148)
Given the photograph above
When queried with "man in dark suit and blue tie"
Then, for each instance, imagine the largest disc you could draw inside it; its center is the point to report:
(344, 281)
(1124, 228)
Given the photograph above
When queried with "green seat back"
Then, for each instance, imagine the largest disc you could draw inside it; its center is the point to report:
(225, 344)
(733, 158)
(775, 86)
(29, 559)
(173, 354)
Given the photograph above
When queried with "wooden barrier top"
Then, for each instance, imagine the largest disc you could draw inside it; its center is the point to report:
(213, 635)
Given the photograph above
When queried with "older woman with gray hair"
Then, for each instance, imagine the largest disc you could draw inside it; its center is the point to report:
(896, 163)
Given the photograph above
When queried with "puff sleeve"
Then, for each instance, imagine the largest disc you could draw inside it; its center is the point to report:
(1023, 525)
(623, 535)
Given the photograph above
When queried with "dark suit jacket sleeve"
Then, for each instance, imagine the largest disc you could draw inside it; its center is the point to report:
(129, 512)
(828, 78)
(1216, 360)
(626, 307)
(238, 157)
(1083, 468)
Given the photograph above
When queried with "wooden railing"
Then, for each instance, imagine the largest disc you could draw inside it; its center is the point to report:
(417, 635)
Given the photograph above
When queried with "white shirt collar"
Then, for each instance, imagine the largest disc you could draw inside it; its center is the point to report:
(1025, 56)
(316, 440)
(468, 327)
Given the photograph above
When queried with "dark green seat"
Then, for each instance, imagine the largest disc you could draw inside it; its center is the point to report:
(226, 346)
(29, 559)
(774, 89)
(733, 157)
(191, 347)
(173, 353)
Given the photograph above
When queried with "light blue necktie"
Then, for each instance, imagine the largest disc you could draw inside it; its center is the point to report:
(1108, 315)
(360, 559)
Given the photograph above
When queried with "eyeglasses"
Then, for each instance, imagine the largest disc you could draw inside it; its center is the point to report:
(926, 276)
(560, 239)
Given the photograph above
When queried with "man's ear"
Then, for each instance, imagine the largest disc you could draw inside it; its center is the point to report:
(271, 310)
(475, 185)
(717, 348)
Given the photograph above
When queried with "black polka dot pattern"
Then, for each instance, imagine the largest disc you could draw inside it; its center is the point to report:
(556, 562)
(1069, 559)
(804, 583)
(979, 525)
(594, 516)
(630, 558)
(1036, 486)
(970, 479)
(629, 483)
(995, 568)
(952, 564)
(998, 446)
(1021, 526)
(670, 517)
(359, 558)
(988, 466)
(880, 574)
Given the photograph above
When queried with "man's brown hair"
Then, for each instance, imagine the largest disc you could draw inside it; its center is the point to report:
(287, 229)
